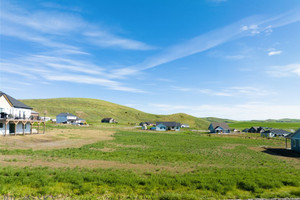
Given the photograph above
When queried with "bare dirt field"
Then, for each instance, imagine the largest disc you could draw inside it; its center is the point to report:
(29, 161)
(55, 139)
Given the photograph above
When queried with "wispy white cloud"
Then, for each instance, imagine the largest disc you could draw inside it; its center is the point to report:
(237, 91)
(247, 27)
(38, 26)
(54, 68)
(272, 53)
(285, 70)
(246, 111)
(113, 85)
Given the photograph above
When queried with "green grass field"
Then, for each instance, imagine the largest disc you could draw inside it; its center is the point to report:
(184, 165)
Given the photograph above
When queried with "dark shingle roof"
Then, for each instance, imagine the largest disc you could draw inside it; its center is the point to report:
(15, 103)
(221, 124)
(279, 131)
(169, 124)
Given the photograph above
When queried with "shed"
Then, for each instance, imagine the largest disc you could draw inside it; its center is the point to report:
(108, 120)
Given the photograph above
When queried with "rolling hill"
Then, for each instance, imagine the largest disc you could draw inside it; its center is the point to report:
(93, 110)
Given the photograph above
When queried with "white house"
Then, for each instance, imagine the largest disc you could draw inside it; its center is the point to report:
(15, 116)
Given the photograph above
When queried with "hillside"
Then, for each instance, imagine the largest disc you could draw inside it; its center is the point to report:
(93, 110)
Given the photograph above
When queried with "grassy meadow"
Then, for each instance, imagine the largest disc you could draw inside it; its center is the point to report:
(149, 165)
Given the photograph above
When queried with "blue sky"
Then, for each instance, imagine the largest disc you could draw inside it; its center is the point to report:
(221, 58)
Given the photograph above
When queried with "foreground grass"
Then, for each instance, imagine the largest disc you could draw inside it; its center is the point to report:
(216, 167)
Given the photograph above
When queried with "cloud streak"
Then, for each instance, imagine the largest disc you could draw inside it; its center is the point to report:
(38, 26)
(247, 27)
(285, 70)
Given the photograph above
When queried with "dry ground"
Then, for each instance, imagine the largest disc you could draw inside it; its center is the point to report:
(55, 139)
(29, 161)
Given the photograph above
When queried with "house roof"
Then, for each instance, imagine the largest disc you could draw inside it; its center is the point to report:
(291, 135)
(279, 131)
(14, 102)
(66, 114)
(107, 119)
(168, 124)
(220, 124)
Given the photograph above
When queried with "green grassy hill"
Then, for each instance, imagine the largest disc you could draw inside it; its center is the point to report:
(93, 110)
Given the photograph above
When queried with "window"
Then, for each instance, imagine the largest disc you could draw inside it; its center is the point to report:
(1, 125)
(294, 143)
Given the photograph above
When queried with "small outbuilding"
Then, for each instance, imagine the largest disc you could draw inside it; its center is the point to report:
(108, 120)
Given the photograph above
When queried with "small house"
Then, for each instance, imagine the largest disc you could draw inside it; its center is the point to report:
(275, 133)
(295, 140)
(217, 127)
(168, 126)
(66, 118)
(108, 120)
(256, 129)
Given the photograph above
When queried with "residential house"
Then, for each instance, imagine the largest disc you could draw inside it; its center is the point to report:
(108, 120)
(168, 126)
(15, 116)
(219, 127)
(275, 133)
(295, 140)
(66, 118)
(256, 129)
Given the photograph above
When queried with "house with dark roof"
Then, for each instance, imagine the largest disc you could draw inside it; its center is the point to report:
(275, 133)
(15, 116)
(108, 120)
(219, 127)
(168, 126)
(256, 129)
(295, 140)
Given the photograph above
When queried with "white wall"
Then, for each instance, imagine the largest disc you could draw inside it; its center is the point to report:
(16, 112)
(19, 128)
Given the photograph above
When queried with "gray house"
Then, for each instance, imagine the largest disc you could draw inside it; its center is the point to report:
(275, 133)
(219, 127)
(168, 126)
(66, 118)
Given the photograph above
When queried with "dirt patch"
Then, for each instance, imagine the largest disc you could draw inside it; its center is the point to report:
(105, 149)
(56, 139)
(128, 146)
(28, 161)
(283, 154)
(230, 146)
